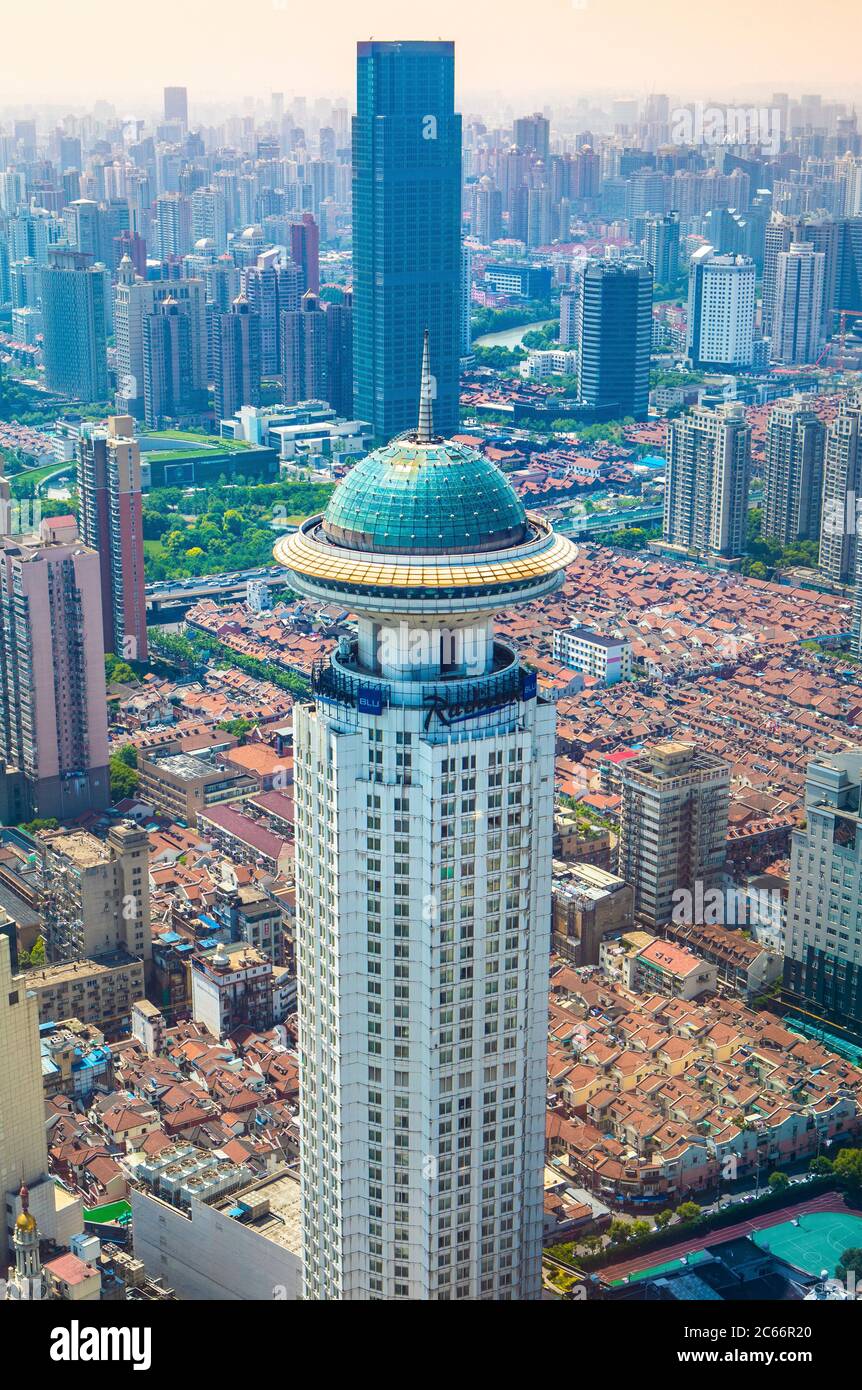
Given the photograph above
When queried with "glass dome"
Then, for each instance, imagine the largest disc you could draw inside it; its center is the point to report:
(425, 498)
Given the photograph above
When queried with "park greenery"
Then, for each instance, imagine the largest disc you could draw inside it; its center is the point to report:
(227, 527)
(122, 768)
(764, 556)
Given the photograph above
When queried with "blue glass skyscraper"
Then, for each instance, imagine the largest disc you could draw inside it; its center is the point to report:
(406, 233)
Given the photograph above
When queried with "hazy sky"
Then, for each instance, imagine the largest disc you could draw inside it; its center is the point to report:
(75, 51)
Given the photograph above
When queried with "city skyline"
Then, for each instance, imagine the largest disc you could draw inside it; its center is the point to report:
(570, 46)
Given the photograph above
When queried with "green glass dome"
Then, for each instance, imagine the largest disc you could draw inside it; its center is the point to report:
(425, 497)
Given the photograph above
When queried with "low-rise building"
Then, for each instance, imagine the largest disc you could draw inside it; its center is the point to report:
(664, 968)
(607, 659)
(587, 904)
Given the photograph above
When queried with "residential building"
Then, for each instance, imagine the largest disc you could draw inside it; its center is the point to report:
(706, 489)
(236, 359)
(797, 325)
(111, 519)
(97, 893)
(842, 491)
(339, 354)
(134, 301)
(673, 825)
(588, 904)
(607, 659)
(53, 708)
(23, 1141)
(823, 947)
(232, 988)
(169, 383)
(305, 253)
(304, 352)
(181, 784)
(99, 992)
(666, 969)
(793, 473)
(721, 304)
(660, 245)
(406, 232)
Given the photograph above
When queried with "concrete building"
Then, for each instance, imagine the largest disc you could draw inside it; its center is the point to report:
(304, 352)
(99, 991)
(53, 708)
(588, 903)
(673, 825)
(181, 785)
(424, 803)
(136, 299)
(23, 1140)
(842, 492)
(231, 988)
(109, 480)
(244, 1247)
(75, 307)
(793, 473)
(706, 489)
(615, 332)
(721, 304)
(608, 659)
(97, 893)
(664, 968)
(823, 947)
(797, 326)
(236, 359)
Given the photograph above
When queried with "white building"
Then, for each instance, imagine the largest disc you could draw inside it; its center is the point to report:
(609, 659)
(721, 304)
(797, 328)
(424, 800)
(242, 1247)
(542, 362)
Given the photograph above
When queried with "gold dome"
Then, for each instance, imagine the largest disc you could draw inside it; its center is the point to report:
(26, 1223)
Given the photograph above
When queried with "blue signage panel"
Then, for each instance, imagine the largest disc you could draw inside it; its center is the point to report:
(369, 700)
(528, 685)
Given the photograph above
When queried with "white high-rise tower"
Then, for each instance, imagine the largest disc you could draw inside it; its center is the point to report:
(424, 798)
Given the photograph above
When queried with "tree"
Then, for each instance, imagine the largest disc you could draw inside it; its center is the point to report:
(850, 1264)
(41, 823)
(821, 1165)
(124, 779)
(848, 1167)
(779, 1181)
(688, 1211)
(619, 1231)
(664, 1219)
(639, 1228)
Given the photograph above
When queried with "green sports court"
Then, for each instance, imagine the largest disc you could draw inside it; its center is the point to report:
(817, 1242)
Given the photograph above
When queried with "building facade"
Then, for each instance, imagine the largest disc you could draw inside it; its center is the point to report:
(615, 333)
(109, 480)
(406, 232)
(424, 800)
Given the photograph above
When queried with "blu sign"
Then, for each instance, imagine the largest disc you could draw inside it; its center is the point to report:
(528, 685)
(369, 700)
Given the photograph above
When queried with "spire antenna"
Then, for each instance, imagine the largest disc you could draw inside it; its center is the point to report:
(425, 432)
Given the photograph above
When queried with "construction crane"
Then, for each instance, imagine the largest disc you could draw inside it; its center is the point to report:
(843, 315)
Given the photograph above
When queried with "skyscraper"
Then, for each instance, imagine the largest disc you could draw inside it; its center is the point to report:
(109, 480)
(706, 491)
(673, 825)
(797, 331)
(842, 491)
(236, 358)
(134, 299)
(721, 303)
(615, 331)
(661, 246)
(533, 133)
(73, 316)
(406, 232)
(169, 387)
(793, 473)
(176, 107)
(339, 355)
(424, 796)
(305, 252)
(304, 352)
(823, 952)
(53, 708)
(23, 1142)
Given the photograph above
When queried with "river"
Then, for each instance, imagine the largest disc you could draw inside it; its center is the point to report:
(509, 337)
